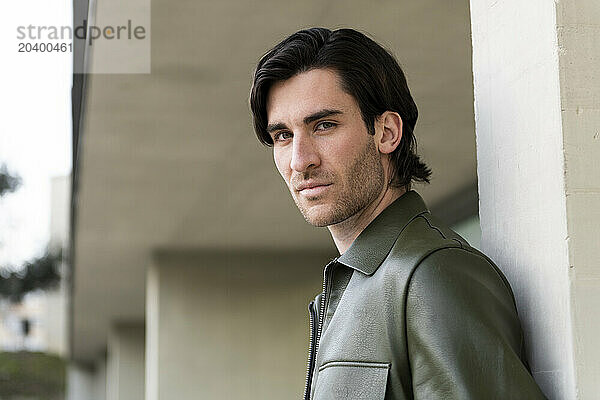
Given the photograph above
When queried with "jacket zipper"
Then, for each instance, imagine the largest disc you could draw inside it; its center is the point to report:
(311, 349)
(314, 338)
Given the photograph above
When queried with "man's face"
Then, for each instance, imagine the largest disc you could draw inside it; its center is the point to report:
(322, 148)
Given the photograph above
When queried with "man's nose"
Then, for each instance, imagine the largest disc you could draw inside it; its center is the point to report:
(304, 154)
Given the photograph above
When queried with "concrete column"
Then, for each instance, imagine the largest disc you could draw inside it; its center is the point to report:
(99, 380)
(80, 382)
(86, 382)
(536, 67)
(125, 366)
(229, 325)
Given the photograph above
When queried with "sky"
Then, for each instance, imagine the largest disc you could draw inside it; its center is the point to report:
(35, 126)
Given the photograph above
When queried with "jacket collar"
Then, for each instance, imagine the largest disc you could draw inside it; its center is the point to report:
(374, 243)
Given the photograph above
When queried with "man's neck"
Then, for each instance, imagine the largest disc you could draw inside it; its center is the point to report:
(345, 232)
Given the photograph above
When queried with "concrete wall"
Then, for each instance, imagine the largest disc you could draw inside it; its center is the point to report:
(99, 381)
(229, 326)
(125, 366)
(537, 97)
(578, 28)
(55, 320)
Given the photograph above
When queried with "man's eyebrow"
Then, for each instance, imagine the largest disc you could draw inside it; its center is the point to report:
(321, 114)
(275, 127)
(307, 120)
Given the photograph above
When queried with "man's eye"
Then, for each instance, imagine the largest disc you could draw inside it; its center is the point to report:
(322, 126)
(279, 136)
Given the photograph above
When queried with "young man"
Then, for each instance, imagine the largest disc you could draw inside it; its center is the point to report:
(408, 310)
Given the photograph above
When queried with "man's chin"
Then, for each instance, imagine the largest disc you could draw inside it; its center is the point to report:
(319, 215)
(317, 222)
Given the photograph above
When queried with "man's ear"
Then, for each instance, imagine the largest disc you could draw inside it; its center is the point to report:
(390, 126)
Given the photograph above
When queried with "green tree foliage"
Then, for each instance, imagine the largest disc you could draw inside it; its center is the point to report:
(40, 273)
(8, 183)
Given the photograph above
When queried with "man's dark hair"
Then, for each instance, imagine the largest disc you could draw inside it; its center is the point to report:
(367, 71)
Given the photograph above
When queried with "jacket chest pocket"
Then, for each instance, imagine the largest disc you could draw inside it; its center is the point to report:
(355, 380)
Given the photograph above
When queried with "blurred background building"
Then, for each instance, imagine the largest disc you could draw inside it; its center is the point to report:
(39, 322)
(191, 268)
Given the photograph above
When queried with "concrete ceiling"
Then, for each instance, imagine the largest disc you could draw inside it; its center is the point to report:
(169, 160)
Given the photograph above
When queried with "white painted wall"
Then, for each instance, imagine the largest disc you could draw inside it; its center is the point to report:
(537, 96)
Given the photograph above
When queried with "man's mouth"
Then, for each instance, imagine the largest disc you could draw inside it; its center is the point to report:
(312, 188)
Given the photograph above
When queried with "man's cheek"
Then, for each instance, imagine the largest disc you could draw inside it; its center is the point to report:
(280, 164)
(282, 174)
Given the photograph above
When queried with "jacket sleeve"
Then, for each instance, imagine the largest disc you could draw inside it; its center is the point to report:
(463, 333)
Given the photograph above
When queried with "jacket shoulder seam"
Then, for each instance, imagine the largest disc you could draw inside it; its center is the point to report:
(430, 224)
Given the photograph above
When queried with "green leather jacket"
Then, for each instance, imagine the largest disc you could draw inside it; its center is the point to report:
(411, 311)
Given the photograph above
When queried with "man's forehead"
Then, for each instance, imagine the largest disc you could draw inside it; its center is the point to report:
(305, 94)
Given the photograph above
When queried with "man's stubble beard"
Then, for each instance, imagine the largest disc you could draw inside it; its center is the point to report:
(364, 184)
